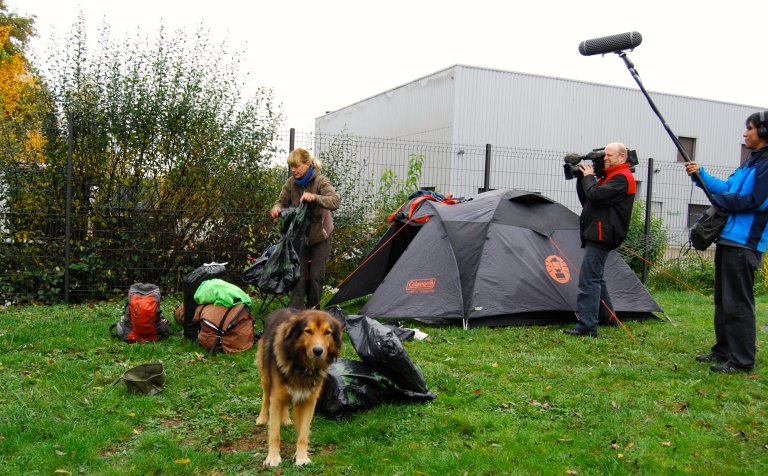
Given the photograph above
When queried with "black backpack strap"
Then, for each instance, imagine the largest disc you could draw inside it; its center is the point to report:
(235, 319)
(219, 331)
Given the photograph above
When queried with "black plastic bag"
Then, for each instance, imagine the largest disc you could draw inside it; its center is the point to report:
(191, 282)
(353, 386)
(278, 270)
(382, 350)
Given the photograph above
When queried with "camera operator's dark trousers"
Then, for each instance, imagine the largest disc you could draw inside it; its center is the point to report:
(308, 292)
(735, 304)
(592, 289)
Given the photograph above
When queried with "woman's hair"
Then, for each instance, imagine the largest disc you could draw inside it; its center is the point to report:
(302, 156)
(754, 119)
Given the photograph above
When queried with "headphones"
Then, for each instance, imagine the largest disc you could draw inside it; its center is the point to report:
(762, 130)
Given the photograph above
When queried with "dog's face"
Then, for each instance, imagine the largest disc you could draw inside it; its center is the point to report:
(316, 338)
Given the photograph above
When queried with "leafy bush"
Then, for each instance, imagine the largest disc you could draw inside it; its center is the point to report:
(354, 226)
(171, 165)
(653, 243)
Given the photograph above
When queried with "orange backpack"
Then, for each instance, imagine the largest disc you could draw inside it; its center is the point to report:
(142, 319)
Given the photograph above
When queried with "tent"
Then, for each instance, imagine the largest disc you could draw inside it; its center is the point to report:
(500, 258)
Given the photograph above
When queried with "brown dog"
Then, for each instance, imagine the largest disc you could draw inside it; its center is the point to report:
(295, 351)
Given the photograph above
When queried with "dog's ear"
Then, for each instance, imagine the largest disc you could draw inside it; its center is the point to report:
(294, 327)
(336, 333)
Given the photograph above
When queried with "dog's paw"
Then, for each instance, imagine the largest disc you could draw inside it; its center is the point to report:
(286, 422)
(301, 461)
(273, 461)
(262, 420)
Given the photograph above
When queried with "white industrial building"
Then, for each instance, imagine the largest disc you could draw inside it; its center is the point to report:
(530, 122)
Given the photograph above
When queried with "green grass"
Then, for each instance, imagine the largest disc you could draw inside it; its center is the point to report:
(514, 400)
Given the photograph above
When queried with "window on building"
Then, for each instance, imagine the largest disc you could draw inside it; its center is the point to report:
(694, 211)
(428, 189)
(689, 145)
(656, 208)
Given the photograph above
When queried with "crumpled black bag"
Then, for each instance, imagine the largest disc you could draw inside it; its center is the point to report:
(278, 270)
(353, 386)
(708, 227)
(382, 350)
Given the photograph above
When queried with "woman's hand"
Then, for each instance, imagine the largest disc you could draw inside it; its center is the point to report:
(307, 197)
(691, 168)
(275, 212)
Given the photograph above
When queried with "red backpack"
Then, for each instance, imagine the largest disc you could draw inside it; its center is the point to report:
(142, 319)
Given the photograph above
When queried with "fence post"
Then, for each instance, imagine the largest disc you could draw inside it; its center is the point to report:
(68, 205)
(648, 196)
(292, 140)
(487, 179)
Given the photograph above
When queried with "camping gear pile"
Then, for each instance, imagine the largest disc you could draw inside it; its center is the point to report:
(503, 257)
(224, 315)
(221, 318)
(192, 281)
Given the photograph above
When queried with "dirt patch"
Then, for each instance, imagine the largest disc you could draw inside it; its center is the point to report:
(255, 440)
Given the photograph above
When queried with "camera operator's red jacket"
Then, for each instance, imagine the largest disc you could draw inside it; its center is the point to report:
(607, 206)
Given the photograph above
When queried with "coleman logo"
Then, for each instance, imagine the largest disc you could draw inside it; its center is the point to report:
(421, 285)
(557, 269)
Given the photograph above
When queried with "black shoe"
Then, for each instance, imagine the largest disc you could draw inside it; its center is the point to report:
(709, 358)
(728, 368)
(579, 332)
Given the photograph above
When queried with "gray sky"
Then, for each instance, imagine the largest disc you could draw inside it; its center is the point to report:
(322, 55)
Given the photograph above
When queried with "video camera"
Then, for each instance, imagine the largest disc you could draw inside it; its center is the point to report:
(597, 156)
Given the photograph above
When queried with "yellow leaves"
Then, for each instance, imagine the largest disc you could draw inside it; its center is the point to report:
(5, 34)
(627, 447)
(182, 461)
(14, 78)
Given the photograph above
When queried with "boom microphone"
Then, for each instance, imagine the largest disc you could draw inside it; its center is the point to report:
(610, 44)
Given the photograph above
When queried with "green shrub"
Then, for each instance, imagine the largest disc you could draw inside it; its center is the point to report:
(653, 243)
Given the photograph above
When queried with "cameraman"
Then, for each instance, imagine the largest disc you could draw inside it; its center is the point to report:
(606, 212)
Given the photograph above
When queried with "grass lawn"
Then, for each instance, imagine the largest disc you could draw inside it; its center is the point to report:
(512, 400)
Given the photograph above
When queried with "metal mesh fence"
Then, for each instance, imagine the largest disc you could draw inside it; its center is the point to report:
(36, 255)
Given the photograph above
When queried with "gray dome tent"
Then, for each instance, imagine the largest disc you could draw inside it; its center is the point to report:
(500, 258)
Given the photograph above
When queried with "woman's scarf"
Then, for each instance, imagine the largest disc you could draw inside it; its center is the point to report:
(303, 181)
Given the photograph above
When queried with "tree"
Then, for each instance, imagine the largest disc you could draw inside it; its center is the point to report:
(171, 157)
(21, 29)
(20, 98)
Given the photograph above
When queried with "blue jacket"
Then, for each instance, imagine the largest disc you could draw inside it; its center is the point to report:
(745, 196)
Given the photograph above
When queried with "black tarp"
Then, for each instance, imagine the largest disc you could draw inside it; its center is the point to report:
(278, 269)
